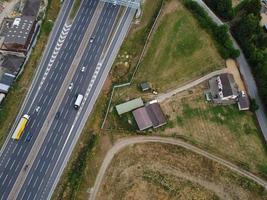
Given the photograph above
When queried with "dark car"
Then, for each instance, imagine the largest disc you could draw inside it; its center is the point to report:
(57, 115)
(28, 138)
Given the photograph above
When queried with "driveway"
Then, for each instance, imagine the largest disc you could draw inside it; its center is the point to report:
(246, 75)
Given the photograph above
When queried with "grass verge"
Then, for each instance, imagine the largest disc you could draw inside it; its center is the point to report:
(74, 9)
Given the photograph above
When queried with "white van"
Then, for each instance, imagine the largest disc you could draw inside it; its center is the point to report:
(78, 101)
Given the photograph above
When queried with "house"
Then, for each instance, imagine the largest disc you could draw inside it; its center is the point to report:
(12, 63)
(19, 35)
(223, 89)
(149, 116)
(5, 82)
(129, 106)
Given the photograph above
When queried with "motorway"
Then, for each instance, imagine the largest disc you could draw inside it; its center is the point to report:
(30, 170)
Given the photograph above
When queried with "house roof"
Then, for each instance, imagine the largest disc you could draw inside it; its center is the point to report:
(20, 30)
(4, 88)
(12, 63)
(228, 85)
(243, 103)
(155, 114)
(7, 79)
(129, 106)
(142, 118)
(31, 8)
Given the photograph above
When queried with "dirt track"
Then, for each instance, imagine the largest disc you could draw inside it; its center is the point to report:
(142, 139)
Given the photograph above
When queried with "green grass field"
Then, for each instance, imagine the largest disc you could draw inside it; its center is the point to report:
(179, 51)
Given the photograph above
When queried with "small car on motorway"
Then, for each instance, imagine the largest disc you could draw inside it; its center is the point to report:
(70, 86)
(57, 115)
(91, 39)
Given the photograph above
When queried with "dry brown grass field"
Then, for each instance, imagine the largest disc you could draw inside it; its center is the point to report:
(157, 171)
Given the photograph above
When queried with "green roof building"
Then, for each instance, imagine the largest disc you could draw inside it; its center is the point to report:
(129, 106)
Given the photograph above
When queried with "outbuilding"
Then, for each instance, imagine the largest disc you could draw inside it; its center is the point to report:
(129, 106)
(142, 118)
(144, 86)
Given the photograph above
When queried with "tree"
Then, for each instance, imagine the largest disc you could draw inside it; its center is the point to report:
(253, 6)
(224, 8)
(253, 105)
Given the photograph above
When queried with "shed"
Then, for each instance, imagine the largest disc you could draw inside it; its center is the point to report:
(129, 105)
(243, 102)
(145, 86)
(142, 118)
(155, 114)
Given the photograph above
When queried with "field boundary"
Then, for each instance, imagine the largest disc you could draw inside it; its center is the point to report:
(135, 68)
(123, 143)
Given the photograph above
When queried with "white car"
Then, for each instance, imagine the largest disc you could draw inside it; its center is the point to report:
(83, 69)
(91, 39)
(70, 86)
(38, 108)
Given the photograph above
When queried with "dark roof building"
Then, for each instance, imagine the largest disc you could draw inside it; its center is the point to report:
(149, 116)
(142, 118)
(31, 8)
(12, 63)
(155, 114)
(19, 35)
(228, 85)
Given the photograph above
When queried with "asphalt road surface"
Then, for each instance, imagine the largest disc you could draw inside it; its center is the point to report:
(30, 170)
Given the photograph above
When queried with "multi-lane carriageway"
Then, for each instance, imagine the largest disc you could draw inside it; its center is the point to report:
(30, 170)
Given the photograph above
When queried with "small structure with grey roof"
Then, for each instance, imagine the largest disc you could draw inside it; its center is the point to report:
(145, 86)
(19, 35)
(243, 101)
(129, 106)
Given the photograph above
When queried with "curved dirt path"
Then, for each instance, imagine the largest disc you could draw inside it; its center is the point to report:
(121, 144)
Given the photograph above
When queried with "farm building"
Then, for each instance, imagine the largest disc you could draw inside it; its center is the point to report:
(129, 106)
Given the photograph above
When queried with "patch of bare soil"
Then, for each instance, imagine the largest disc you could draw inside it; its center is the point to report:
(158, 171)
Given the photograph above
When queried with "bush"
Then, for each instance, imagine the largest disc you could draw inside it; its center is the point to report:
(222, 8)
(253, 105)
(219, 33)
